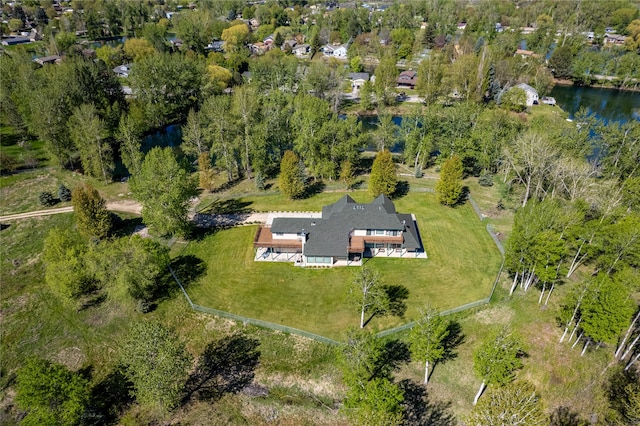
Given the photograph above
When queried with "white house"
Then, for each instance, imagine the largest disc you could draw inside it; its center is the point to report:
(335, 51)
(532, 94)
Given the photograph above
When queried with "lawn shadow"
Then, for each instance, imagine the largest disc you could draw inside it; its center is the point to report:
(419, 410)
(188, 268)
(396, 294)
(394, 353)
(402, 189)
(454, 339)
(226, 366)
(109, 398)
(464, 195)
(312, 189)
(229, 206)
(125, 227)
(227, 185)
(563, 416)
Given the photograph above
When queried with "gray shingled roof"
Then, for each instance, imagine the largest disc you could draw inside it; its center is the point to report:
(329, 236)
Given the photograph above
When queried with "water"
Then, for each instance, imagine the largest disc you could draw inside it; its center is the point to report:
(606, 104)
(169, 136)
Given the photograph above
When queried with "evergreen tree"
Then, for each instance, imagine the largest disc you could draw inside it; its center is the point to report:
(383, 179)
(449, 186)
(90, 210)
(291, 181)
(64, 193)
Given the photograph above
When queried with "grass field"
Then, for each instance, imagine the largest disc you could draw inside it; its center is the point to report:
(462, 265)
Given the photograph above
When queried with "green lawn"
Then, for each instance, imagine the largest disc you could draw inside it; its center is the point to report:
(461, 268)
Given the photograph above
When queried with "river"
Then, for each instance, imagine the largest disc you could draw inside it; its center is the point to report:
(606, 104)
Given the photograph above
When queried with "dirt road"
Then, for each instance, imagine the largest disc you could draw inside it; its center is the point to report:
(128, 206)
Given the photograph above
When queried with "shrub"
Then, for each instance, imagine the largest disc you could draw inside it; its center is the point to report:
(418, 172)
(485, 179)
(64, 193)
(46, 199)
(259, 182)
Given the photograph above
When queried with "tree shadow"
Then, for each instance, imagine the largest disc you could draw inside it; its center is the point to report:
(418, 410)
(124, 227)
(188, 268)
(312, 189)
(393, 354)
(563, 416)
(227, 185)
(464, 195)
(402, 189)
(229, 206)
(109, 398)
(226, 366)
(454, 339)
(396, 294)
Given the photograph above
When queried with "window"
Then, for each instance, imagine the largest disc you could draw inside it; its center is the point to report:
(368, 231)
(279, 234)
(379, 231)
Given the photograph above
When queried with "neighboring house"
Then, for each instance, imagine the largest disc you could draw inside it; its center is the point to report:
(123, 70)
(614, 39)
(525, 53)
(268, 41)
(335, 51)
(408, 79)
(358, 79)
(344, 234)
(301, 50)
(12, 41)
(532, 94)
(258, 48)
(216, 46)
(34, 36)
(47, 60)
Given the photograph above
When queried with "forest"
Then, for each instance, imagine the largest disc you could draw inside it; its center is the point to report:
(563, 194)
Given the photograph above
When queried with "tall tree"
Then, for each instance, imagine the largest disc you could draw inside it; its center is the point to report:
(89, 134)
(222, 133)
(386, 79)
(50, 394)
(90, 211)
(130, 138)
(157, 363)
(290, 180)
(383, 179)
(449, 186)
(194, 137)
(496, 359)
(164, 188)
(368, 295)
(427, 338)
(245, 106)
(167, 85)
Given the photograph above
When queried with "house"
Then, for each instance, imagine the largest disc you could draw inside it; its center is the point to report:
(525, 53)
(343, 234)
(301, 50)
(216, 46)
(123, 70)
(34, 36)
(614, 39)
(13, 40)
(47, 60)
(258, 48)
(408, 79)
(335, 51)
(532, 94)
(358, 79)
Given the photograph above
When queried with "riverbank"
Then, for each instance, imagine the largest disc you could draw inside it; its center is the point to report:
(601, 83)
